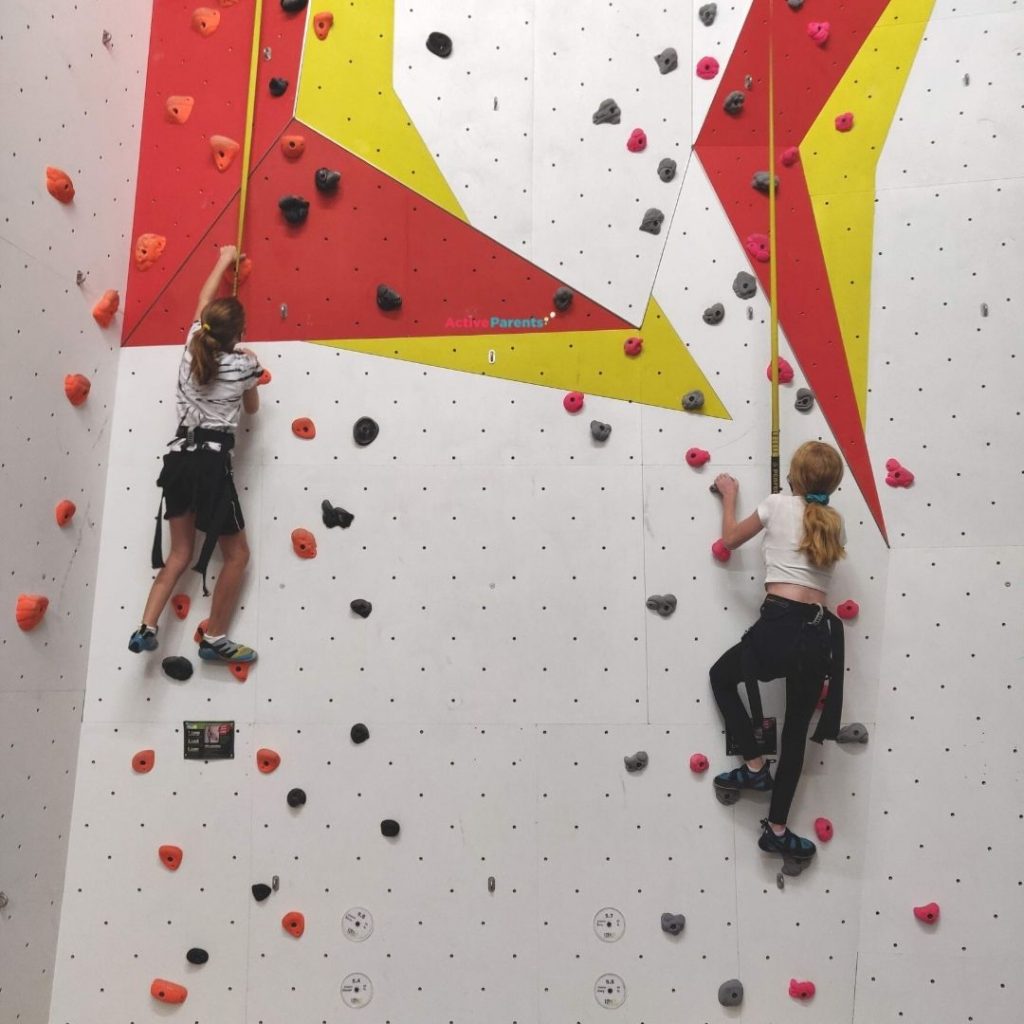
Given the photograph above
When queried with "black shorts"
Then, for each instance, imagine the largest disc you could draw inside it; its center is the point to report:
(201, 481)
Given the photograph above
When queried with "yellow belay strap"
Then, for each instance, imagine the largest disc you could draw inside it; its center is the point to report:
(773, 310)
(250, 106)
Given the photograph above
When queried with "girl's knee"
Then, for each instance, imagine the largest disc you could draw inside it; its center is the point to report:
(237, 554)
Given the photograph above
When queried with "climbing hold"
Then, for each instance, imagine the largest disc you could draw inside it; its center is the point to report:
(304, 427)
(296, 797)
(563, 298)
(693, 400)
(698, 763)
(697, 457)
(801, 989)
(322, 24)
(855, 732)
(278, 86)
(206, 20)
(672, 923)
(730, 993)
(197, 956)
(745, 285)
(757, 245)
(240, 670)
(177, 667)
(929, 913)
(143, 761)
(148, 249)
(327, 180)
(573, 401)
(293, 6)
(390, 828)
(59, 185)
(365, 431)
(844, 122)
(181, 603)
(359, 733)
(720, 551)
(244, 270)
(795, 4)
(267, 760)
(303, 543)
(293, 146)
(600, 431)
(667, 60)
(897, 475)
(76, 387)
(666, 168)
(636, 762)
(847, 610)
(64, 512)
(733, 103)
(106, 306)
(179, 108)
(30, 610)
(264, 377)
(819, 31)
(294, 208)
(804, 400)
(333, 515)
(224, 151)
(707, 68)
(361, 607)
(785, 371)
(260, 891)
(707, 14)
(197, 636)
(294, 923)
(608, 112)
(168, 991)
(789, 156)
(439, 44)
(663, 604)
(637, 141)
(633, 346)
(761, 183)
(170, 857)
(714, 314)
(388, 299)
(652, 221)
(823, 829)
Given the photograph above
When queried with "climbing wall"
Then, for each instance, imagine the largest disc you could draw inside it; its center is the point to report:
(509, 663)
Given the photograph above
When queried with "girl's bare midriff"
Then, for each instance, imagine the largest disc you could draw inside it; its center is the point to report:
(795, 592)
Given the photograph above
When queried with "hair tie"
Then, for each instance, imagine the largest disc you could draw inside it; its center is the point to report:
(205, 326)
(816, 499)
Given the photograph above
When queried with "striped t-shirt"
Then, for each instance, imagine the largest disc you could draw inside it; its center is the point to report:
(217, 405)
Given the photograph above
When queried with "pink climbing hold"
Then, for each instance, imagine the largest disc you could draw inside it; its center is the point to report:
(707, 67)
(698, 763)
(848, 610)
(823, 829)
(801, 989)
(819, 31)
(637, 141)
(633, 346)
(929, 913)
(844, 122)
(757, 246)
(573, 401)
(897, 475)
(789, 156)
(697, 457)
(720, 551)
(785, 371)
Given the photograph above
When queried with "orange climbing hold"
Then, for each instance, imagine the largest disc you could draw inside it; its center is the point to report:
(303, 543)
(244, 270)
(148, 249)
(30, 610)
(293, 146)
(264, 377)
(170, 857)
(322, 24)
(107, 305)
(206, 20)
(293, 923)
(76, 387)
(168, 991)
(224, 151)
(240, 670)
(305, 428)
(197, 637)
(179, 108)
(181, 603)
(267, 760)
(143, 761)
(65, 512)
(59, 185)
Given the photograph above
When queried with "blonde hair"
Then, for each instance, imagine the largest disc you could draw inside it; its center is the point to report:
(817, 469)
(221, 324)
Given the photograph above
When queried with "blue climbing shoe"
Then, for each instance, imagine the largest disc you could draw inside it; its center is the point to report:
(743, 778)
(788, 845)
(143, 639)
(227, 651)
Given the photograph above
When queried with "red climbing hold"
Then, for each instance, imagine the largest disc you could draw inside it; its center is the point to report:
(59, 185)
(64, 512)
(573, 401)
(697, 457)
(322, 24)
(293, 146)
(106, 306)
(847, 610)
(801, 989)
(267, 760)
(757, 246)
(897, 475)
(181, 603)
(206, 20)
(785, 371)
(637, 141)
(240, 670)
(179, 108)
(143, 761)
(720, 551)
(929, 913)
(224, 151)
(633, 346)
(698, 763)
(789, 156)
(170, 857)
(819, 31)
(707, 67)
(30, 610)
(293, 923)
(148, 249)
(197, 637)
(264, 377)
(304, 427)
(244, 270)
(168, 991)
(76, 387)
(823, 829)
(844, 122)
(303, 543)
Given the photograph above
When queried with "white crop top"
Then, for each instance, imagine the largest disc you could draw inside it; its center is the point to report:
(782, 516)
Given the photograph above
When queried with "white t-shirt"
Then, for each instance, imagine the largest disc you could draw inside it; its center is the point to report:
(782, 516)
(217, 405)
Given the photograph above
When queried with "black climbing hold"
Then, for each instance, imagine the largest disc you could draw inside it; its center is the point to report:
(855, 732)
(607, 113)
(563, 299)
(793, 867)
(760, 182)
(745, 285)
(361, 607)
(296, 797)
(727, 796)
(327, 180)
(359, 733)
(197, 956)
(260, 891)
(663, 604)
(693, 400)
(294, 208)
(388, 299)
(439, 44)
(668, 60)
(652, 221)
(365, 431)
(795, 4)
(390, 828)
(600, 431)
(804, 400)
(714, 314)
(667, 169)
(636, 762)
(293, 6)
(334, 515)
(278, 86)
(730, 993)
(734, 102)
(707, 14)
(177, 668)
(673, 923)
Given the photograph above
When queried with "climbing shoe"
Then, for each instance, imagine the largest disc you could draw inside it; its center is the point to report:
(143, 639)
(744, 778)
(226, 650)
(787, 845)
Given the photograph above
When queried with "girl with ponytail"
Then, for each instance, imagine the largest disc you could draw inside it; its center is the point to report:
(796, 637)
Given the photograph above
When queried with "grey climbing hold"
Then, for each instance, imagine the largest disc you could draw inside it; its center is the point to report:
(260, 891)
(275, 883)
(663, 604)
(750, 312)
(491, 884)
(673, 923)
(795, 4)
(714, 314)
(197, 956)
(652, 221)
(177, 668)
(707, 14)
(359, 733)
(294, 208)
(780, 881)
(364, 431)
(748, 81)
(439, 44)
(333, 515)
(855, 732)
(734, 102)
(388, 299)
(668, 60)
(730, 993)
(793, 867)
(693, 400)
(745, 285)
(563, 299)
(296, 797)
(761, 183)
(804, 400)
(667, 169)
(608, 112)
(984, 309)
(600, 431)
(293, 6)
(967, 78)
(636, 762)
(361, 607)
(390, 828)
(277, 86)
(327, 180)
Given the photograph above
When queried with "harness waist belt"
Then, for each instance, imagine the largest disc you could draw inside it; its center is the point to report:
(201, 435)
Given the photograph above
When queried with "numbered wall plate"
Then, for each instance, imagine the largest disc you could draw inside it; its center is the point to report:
(356, 991)
(609, 924)
(357, 924)
(610, 991)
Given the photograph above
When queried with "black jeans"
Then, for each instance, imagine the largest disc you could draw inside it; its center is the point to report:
(784, 642)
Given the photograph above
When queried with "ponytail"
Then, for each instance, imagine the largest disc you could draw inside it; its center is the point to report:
(815, 472)
(822, 532)
(222, 322)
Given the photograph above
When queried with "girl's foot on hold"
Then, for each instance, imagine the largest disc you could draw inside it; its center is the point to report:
(789, 844)
(220, 648)
(143, 639)
(744, 778)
